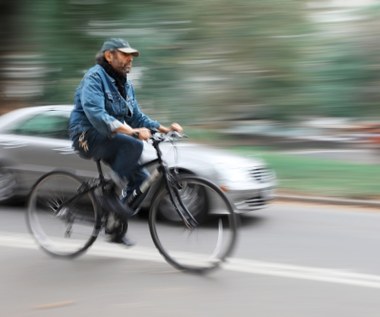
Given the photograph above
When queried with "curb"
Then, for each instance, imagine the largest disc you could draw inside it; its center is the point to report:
(329, 200)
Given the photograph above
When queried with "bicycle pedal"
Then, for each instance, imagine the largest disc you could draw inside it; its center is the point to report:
(113, 204)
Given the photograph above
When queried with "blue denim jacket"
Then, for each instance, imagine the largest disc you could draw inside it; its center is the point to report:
(99, 104)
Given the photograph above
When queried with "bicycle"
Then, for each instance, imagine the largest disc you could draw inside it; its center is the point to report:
(66, 220)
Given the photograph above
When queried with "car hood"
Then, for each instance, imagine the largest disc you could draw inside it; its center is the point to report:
(203, 155)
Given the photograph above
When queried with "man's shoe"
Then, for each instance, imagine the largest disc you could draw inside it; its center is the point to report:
(112, 203)
(124, 240)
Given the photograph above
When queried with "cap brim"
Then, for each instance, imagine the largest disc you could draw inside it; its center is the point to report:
(129, 50)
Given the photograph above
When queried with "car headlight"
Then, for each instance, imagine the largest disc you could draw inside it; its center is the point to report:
(245, 178)
(233, 178)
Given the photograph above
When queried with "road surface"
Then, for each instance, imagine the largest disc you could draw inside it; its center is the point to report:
(292, 260)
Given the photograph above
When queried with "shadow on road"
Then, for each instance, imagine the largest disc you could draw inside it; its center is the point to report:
(251, 221)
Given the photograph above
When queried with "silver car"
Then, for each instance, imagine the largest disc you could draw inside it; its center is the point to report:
(34, 140)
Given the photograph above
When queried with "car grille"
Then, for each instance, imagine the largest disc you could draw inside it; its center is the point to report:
(261, 174)
(250, 204)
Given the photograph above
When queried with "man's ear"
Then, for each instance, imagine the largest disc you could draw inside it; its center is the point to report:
(108, 56)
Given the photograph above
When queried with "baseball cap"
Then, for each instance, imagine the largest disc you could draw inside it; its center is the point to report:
(120, 45)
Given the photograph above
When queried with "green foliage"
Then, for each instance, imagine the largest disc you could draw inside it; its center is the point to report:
(210, 60)
(320, 177)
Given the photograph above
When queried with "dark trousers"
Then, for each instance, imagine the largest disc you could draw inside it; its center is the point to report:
(121, 152)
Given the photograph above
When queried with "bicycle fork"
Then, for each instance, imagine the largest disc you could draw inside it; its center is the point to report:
(173, 185)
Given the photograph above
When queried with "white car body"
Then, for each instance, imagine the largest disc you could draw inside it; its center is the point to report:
(27, 151)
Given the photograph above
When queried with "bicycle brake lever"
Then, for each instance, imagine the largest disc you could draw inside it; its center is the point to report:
(176, 135)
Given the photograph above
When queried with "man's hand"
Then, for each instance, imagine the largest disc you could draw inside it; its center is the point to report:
(142, 133)
(176, 127)
(173, 127)
(139, 133)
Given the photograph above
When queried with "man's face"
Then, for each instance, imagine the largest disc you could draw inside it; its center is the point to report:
(120, 62)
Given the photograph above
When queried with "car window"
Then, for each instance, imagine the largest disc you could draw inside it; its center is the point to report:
(50, 124)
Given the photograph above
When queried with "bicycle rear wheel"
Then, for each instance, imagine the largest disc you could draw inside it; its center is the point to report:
(204, 246)
(62, 217)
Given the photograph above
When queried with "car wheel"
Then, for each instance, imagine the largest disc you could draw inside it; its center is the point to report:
(8, 185)
(193, 197)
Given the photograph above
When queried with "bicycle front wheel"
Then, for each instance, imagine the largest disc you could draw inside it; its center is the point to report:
(205, 244)
(62, 216)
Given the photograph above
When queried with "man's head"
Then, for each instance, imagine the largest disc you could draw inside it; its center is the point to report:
(119, 54)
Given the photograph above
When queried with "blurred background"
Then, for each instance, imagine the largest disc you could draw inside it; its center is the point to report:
(213, 62)
(248, 74)
(294, 82)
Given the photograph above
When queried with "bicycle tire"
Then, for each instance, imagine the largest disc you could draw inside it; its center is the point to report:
(64, 221)
(206, 246)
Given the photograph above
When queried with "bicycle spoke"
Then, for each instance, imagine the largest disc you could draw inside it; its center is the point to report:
(63, 221)
(203, 246)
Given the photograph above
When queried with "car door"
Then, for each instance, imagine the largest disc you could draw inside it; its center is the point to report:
(40, 144)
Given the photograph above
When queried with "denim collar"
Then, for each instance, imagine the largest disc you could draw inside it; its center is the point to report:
(120, 80)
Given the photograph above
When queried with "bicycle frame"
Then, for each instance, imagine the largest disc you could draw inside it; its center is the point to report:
(160, 175)
(164, 175)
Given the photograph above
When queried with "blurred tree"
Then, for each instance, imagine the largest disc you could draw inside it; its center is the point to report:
(368, 36)
(338, 78)
(69, 33)
(62, 34)
(246, 57)
(201, 61)
(9, 30)
(345, 62)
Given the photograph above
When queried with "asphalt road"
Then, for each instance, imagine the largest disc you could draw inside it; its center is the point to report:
(292, 260)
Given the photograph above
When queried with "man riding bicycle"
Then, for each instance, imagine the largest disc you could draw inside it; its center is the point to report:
(107, 123)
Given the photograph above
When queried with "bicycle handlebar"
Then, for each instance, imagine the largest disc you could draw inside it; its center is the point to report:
(170, 136)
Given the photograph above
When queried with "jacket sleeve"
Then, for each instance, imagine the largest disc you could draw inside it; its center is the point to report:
(139, 119)
(93, 103)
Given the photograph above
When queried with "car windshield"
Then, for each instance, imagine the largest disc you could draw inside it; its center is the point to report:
(52, 124)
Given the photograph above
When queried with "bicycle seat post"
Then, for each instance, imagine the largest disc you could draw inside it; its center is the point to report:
(100, 170)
